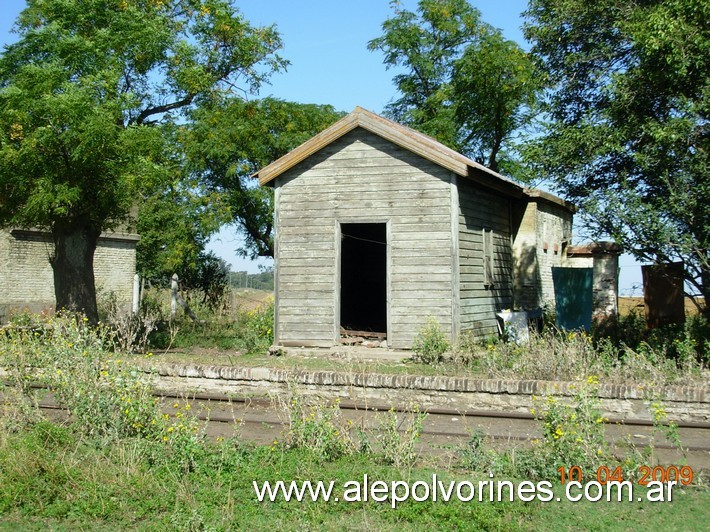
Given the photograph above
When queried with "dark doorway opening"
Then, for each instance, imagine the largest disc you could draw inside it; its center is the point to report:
(363, 277)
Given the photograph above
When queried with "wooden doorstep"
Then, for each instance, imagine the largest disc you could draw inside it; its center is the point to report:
(366, 334)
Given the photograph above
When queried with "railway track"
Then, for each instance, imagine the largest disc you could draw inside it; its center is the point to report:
(262, 421)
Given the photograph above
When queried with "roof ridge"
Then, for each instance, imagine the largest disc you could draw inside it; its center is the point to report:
(404, 136)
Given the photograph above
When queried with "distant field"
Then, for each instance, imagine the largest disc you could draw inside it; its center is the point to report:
(250, 298)
(630, 304)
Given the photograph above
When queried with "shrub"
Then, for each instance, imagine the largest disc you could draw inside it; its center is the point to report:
(398, 436)
(257, 329)
(572, 433)
(430, 343)
(319, 428)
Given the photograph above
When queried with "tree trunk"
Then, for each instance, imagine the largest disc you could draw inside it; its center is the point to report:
(73, 266)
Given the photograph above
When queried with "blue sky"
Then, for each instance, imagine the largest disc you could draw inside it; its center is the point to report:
(326, 43)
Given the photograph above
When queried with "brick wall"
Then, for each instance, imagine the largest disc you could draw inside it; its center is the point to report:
(603, 257)
(545, 229)
(554, 232)
(26, 279)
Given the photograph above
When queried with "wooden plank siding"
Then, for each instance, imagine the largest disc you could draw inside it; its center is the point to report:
(478, 302)
(362, 178)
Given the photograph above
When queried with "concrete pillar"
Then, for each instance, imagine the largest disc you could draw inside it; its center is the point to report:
(173, 296)
(603, 257)
(136, 294)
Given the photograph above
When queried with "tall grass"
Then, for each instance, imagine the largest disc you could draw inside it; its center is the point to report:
(246, 330)
(124, 464)
(623, 353)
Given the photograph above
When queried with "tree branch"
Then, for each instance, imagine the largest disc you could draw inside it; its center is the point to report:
(150, 111)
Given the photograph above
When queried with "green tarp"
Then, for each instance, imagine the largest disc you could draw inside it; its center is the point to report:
(573, 297)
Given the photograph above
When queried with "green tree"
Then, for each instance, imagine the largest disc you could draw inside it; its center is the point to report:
(83, 95)
(175, 224)
(463, 82)
(226, 143)
(627, 137)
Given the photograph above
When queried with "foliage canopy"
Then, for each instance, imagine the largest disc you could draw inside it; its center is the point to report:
(229, 141)
(627, 136)
(84, 94)
(463, 83)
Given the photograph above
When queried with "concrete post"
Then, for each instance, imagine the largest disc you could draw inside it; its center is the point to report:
(136, 294)
(173, 296)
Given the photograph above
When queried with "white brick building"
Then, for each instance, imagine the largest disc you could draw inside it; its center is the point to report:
(26, 278)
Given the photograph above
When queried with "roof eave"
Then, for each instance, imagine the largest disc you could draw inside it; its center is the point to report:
(409, 139)
(494, 181)
(267, 174)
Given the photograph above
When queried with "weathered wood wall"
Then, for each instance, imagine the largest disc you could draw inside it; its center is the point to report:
(362, 178)
(479, 210)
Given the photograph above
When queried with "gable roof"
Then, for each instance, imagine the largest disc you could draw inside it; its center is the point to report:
(403, 136)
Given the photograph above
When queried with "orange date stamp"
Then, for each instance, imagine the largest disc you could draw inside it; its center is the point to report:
(682, 475)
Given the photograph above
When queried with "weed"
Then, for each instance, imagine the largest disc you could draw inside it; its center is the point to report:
(477, 455)
(248, 331)
(685, 345)
(55, 478)
(22, 357)
(319, 428)
(398, 435)
(568, 356)
(572, 433)
(179, 442)
(131, 332)
(106, 396)
(257, 329)
(189, 520)
(430, 343)
(646, 456)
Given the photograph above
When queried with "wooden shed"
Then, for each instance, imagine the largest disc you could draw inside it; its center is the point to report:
(378, 227)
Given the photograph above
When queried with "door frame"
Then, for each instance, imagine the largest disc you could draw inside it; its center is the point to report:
(338, 266)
